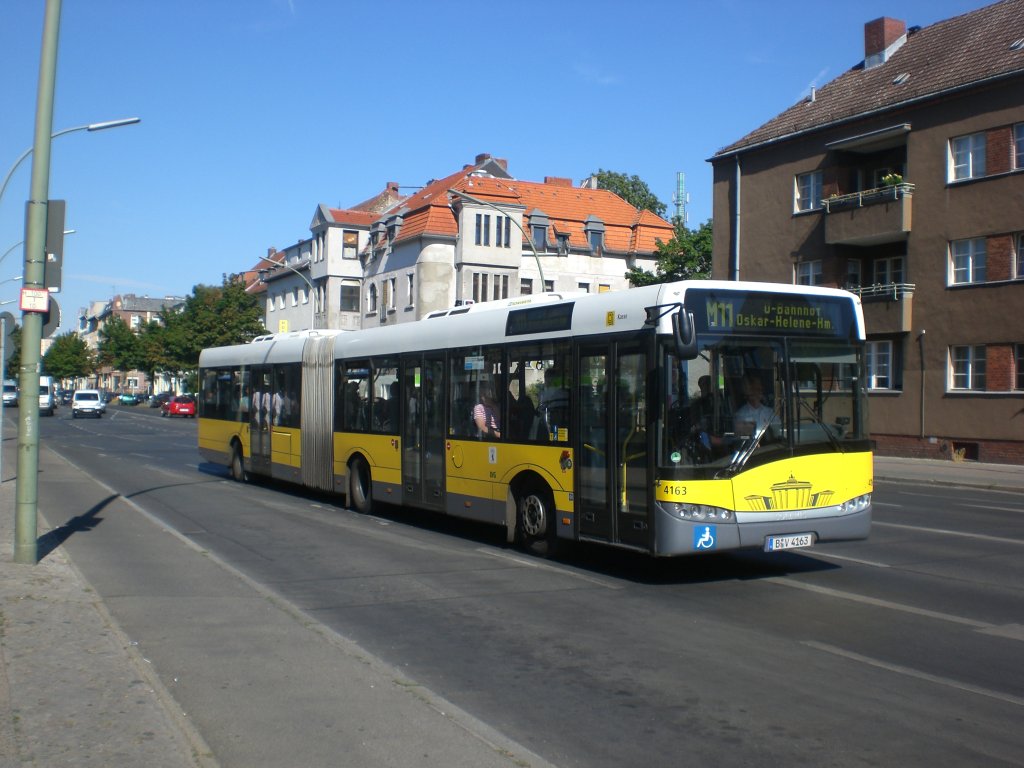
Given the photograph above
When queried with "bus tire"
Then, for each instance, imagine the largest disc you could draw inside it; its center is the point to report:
(237, 466)
(360, 486)
(535, 519)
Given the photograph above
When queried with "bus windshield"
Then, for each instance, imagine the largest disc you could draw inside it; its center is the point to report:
(742, 402)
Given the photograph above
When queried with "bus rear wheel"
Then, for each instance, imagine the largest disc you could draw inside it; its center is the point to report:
(237, 464)
(535, 519)
(360, 487)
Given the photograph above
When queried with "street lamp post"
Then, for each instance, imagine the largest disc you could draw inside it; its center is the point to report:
(478, 201)
(312, 289)
(90, 127)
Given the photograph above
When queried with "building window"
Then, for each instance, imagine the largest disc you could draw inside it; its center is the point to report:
(349, 296)
(583, 287)
(371, 298)
(878, 356)
(1019, 357)
(808, 192)
(134, 322)
(525, 287)
(808, 273)
(483, 229)
(854, 278)
(887, 271)
(1019, 261)
(294, 297)
(388, 299)
(280, 301)
(967, 157)
(563, 244)
(270, 304)
(350, 245)
(549, 286)
(410, 289)
(1018, 146)
(540, 236)
(967, 368)
(967, 261)
(503, 232)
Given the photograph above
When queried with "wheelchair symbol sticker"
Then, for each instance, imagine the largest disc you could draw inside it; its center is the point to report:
(705, 537)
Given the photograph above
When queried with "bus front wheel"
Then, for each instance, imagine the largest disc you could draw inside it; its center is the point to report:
(360, 488)
(535, 519)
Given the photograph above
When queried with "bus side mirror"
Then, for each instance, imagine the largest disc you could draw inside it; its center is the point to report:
(683, 336)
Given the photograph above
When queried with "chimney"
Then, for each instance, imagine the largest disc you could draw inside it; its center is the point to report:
(392, 186)
(483, 157)
(882, 38)
(557, 181)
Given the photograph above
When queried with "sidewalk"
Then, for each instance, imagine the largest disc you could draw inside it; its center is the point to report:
(74, 690)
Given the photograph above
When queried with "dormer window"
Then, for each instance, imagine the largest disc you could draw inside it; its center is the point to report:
(563, 243)
(594, 229)
(539, 230)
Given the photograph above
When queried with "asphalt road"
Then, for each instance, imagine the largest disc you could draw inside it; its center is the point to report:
(901, 650)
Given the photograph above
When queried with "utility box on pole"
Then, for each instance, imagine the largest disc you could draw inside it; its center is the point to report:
(55, 210)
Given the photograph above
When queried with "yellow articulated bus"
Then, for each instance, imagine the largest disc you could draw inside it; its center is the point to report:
(674, 419)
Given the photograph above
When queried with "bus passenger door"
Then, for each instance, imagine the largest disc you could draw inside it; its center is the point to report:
(613, 475)
(423, 430)
(260, 398)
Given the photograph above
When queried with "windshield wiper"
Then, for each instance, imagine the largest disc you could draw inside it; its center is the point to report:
(744, 452)
(825, 427)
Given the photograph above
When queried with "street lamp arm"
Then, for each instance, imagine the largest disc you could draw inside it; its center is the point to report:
(513, 219)
(90, 127)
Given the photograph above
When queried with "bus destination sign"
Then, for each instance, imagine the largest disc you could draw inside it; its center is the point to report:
(770, 313)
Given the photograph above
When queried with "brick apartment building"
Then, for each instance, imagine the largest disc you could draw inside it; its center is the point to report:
(903, 180)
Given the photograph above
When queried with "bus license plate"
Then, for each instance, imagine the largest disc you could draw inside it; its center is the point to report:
(775, 543)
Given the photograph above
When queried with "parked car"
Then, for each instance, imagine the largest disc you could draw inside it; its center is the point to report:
(180, 405)
(157, 401)
(10, 393)
(87, 402)
(66, 396)
(129, 398)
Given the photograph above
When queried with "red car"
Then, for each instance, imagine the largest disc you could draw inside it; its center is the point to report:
(179, 405)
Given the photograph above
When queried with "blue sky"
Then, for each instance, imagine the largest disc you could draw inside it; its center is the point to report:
(255, 112)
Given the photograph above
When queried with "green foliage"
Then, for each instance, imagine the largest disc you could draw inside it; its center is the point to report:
(119, 347)
(212, 317)
(13, 351)
(632, 189)
(687, 256)
(69, 357)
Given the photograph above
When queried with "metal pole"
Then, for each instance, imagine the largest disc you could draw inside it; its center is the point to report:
(27, 495)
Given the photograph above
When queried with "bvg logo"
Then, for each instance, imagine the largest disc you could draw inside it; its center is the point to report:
(719, 314)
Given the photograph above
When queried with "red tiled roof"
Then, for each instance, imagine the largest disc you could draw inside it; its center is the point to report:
(965, 50)
(352, 216)
(567, 208)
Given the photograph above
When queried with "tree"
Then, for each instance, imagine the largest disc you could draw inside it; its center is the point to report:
(69, 357)
(13, 362)
(632, 189)
(119, 347)
(687, 256)
(212, 317)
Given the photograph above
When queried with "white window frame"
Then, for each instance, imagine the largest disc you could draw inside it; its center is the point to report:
(878, 360)
(966, 368)
(410, 288)
(854, 273)
(807, 189)
(967, 261)
(967, 157)
(341, 296)
(808, 273)
(371, 298)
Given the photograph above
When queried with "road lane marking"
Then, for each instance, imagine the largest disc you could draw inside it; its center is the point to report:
(907, 671)
(946, 532)
(995, 509)
(830, 556)
(902, 607)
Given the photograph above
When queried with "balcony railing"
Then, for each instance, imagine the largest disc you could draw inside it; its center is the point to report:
(867, 197)
(891, 291)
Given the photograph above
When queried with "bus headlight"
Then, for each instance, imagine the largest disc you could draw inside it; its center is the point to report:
(698, 512)
(858, 504)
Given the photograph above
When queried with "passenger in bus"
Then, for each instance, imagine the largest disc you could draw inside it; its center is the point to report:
(554, 401)
(486, 415)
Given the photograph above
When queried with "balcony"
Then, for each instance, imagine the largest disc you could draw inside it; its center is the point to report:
(869, 217)
(887, 308)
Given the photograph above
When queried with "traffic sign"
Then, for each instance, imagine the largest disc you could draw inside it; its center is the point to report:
(51, 320)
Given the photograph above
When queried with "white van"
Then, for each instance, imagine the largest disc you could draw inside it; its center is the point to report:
(47, 395)
(10, 392)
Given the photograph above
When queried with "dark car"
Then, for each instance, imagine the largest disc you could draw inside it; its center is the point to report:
(66, 396)
(157, 401)
(180, 405)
